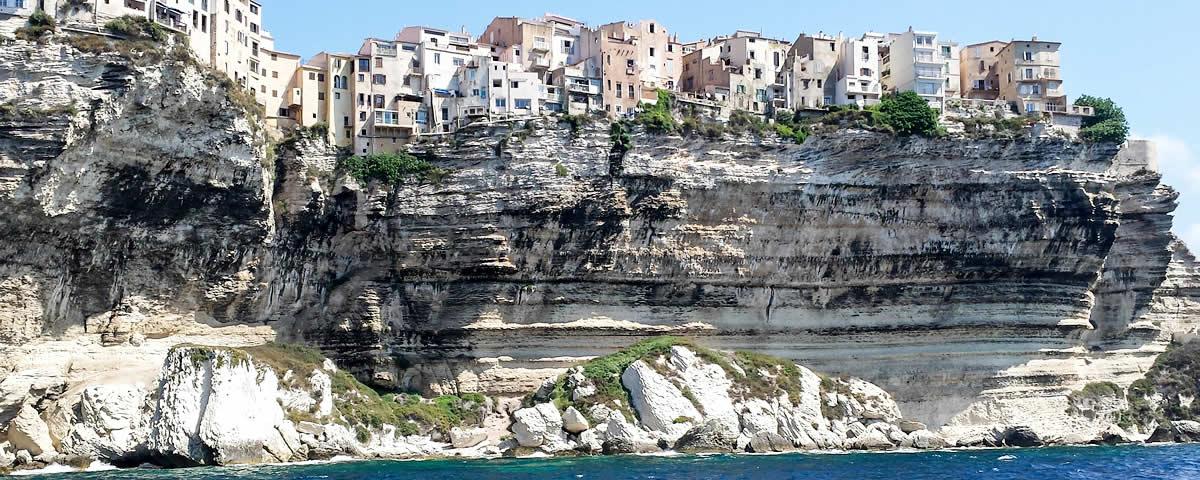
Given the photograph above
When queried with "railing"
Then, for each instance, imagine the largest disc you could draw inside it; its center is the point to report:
(386, 50)
(588, 89)
(1071, 109)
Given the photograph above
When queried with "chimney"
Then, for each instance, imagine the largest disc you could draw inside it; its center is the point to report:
(1035, 37)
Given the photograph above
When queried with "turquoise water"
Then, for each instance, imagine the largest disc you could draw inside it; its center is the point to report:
(1109, 463)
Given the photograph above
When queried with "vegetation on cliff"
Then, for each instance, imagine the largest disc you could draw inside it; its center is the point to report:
(37, 27)
(390, 168)
(1167, 391)
(1107, 125)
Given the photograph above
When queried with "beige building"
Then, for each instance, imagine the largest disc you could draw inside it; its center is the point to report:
(538, 45)
(808, 75)
(1030, 77)
(280, 80)
(636, 59)
(579, 89)
(978, 75)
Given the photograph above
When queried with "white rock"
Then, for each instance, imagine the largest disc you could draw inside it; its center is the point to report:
(658, 402)
(758, 416)
(708, 384)
(7, 457)
(592, 440)
(27, 431)
(574, 422)
(909, 426)
(467, 437)
(622, 436)
(111, 422)
(870, 440)
(538, 425)
(925, 440)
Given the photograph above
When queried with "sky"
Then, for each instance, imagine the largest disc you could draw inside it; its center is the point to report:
(1111, 48)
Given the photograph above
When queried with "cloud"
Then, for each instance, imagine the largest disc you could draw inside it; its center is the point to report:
(1180, 165)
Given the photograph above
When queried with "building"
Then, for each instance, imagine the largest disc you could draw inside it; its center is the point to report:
(538, 45)
(921, 62)
(578, 89)
(491, 89)
(1029, 76)
(857, 76)
(280, 82)
(807, 79)
(437, 56)
(978, 75)
(388, 96)
(754, 63)
(636, 59)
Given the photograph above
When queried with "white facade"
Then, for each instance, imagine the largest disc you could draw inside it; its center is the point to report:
(494, 89)
(438, 56)
(857, 71)
(921, 62)
(387, 96)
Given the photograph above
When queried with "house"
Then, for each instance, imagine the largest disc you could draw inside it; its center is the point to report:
(279, 83)
(636, 59)
(1029, 75)
(437, 56)
(538, 45)
(979, 78)
(857, 75)
(388, 96)
(491, 89)
(807, 79)
(579, 89)
(921, 62)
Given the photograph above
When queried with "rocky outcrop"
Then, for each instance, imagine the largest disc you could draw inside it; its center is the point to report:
(777, 406)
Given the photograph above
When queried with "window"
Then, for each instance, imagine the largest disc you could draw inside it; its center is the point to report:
(321, 96)
(312, 76)
(631, 90)
(651, 28)
(378, 63)
(362, 116)
(346, 121)
(364, 64)
(320, 77)
(1029, 74)
(516, 85)
(776, 59)
(275, 93)
(362, 99)
(274, 74)
(979, 85)
(1028, 56)
(752, 54)
(379, 99)
(620, 90)
(378, 79)
(362, 77)
(501, 102)
(437, 58)
(758, 74)
(337, 95)
(497, 83)
(945, 51)
(523, 103)
(651, 51)
(458, 62)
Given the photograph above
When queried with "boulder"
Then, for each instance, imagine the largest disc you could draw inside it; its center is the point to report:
(310, 428)
(538, 425)
(591, 441)
(7, 457)
(758, 416)
(924, 440)
(1021, 436)
(909, 426)
(870, 439)
(1180, 431)
(708, 385)
(110, 424)
(574, 422)
(624, 437)
(27, 431)
(467, 437)
(766, 442)
(658, 402)
(1113, 435)
(711, 436)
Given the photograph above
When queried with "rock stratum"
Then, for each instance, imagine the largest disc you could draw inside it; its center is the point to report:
(979, 282)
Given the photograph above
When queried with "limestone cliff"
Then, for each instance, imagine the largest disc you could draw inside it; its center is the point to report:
(978, 281)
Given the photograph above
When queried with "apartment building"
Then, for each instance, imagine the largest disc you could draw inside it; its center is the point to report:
(921, 62)
(579, 88)
(754, 63)
(1028, 72)
(858, 71)
(388, 95)
(636, 60)
(486, 88)
(808, 78)
(438, 54)
(538, 45)
(978, 75)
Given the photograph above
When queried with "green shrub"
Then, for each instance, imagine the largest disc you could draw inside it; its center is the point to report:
(1174, 377)
(390, 168)
(658, 118)
(137, 28)
(38, 25)
(561, 170)
(795, 133)
(622, 140)
(908, 114)
(1107, 125)
(742, 121)
(693, 125)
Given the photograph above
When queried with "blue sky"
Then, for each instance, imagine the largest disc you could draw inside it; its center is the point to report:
(1111, 48)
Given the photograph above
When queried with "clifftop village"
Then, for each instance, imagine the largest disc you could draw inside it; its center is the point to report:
(430, 81)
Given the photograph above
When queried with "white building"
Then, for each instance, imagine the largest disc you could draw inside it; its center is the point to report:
(485, 88)
(438, 54)
(857, 71)
(388, 96)
(921, 62)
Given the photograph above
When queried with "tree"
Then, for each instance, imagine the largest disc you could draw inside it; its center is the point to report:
(1108, 124)
(908, 114)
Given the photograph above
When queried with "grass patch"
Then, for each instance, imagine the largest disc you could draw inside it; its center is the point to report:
(561, 170)
(39, 26)
(993, 126)
(138, 28)
(10, 111)
(767, 375)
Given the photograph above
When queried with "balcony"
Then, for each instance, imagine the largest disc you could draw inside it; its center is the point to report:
(391, 119)
(386, 50)
(542, 62)
(1070, 109)
(169, 17)
(135, 5)
(585, 89)
(930, 59)
(540, 47)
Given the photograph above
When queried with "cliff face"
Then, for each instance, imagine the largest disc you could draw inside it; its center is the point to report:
(977, 281)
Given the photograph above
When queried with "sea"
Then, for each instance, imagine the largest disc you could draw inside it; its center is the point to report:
(1108, 463)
